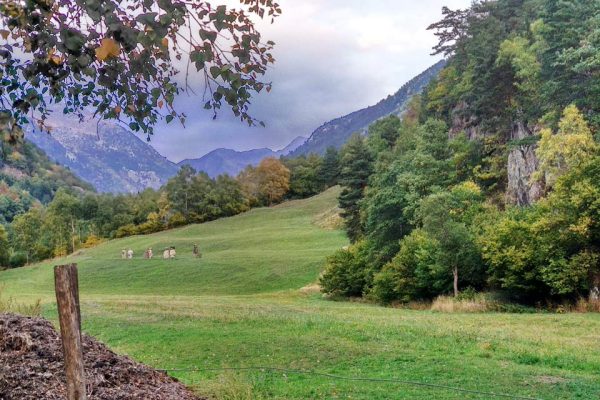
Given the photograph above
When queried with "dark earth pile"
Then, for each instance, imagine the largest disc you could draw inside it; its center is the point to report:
(31, 367)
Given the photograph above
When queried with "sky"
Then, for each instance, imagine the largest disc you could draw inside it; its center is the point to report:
(333, 57)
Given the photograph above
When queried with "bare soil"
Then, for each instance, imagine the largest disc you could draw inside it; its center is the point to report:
(31, 367)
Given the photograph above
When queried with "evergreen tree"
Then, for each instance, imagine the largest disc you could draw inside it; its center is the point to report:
(356, 166)
(395, 191)
(329, 171)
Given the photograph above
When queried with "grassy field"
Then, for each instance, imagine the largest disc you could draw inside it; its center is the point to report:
(248, 303)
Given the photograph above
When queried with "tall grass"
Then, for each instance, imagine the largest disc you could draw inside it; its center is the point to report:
(587, 305)
(479, 303)
(10, 305)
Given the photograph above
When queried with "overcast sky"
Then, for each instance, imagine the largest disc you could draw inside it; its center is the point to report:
(332, 57)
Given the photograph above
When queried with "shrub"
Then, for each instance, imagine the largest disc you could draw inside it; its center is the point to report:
(345, 272)
(17, 260)
(177, 219)
(413, 274)
(92, 241)
(126, 230)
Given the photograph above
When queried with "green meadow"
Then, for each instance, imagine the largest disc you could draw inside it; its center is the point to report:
(249, 304)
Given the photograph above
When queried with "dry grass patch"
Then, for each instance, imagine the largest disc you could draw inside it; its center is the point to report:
(448, 304)
(585, 305)
(313, 288)
(330, 219)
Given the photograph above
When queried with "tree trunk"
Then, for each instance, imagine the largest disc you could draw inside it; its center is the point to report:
(455, 273)
(595, 288)
(73, 235)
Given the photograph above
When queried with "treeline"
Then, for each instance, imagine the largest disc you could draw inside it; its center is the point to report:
(424, 198)
(75, 218)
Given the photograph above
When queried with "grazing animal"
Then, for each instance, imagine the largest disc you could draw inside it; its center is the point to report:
(172, 252)
(123, 254)
(150, 254)
(130, 254)
(166, 254)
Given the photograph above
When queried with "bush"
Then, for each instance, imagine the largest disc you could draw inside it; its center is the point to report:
(17, 260)
(345, 272)
(177, 219)
(127, 230)
(92, 241)
(413, 274)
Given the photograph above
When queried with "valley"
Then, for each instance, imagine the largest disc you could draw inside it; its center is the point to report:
(250, 301)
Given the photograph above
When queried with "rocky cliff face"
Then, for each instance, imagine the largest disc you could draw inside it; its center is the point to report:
(462, 123)
(522, 162)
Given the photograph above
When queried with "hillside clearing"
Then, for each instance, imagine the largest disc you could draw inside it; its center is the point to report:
(241, 305)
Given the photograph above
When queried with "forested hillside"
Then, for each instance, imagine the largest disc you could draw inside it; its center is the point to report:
(28, 179)
(492, 180)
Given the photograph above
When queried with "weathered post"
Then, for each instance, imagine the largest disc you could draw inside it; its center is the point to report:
(67, 300)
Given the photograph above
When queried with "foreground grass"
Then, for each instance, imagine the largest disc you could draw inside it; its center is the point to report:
(540, 355)
(239, 306)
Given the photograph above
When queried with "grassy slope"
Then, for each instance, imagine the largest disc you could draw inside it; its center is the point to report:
(259, 251)
(239, 306)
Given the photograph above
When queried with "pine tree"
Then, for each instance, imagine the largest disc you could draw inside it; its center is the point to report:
(330, 168)
(356, 166)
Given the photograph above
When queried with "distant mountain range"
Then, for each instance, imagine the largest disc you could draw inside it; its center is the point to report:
(337, 132)
(113, 159)
(227, 161)
(106, 155)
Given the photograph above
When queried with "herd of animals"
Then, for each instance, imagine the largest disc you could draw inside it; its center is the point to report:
(168, 253)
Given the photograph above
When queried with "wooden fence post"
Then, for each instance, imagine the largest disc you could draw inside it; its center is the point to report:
(69, 315)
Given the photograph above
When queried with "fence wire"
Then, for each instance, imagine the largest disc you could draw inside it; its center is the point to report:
(354, 378)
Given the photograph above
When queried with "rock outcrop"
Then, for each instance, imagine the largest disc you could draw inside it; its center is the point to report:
(522, 162)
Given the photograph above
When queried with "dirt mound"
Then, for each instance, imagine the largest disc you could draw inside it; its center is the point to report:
(31, 367)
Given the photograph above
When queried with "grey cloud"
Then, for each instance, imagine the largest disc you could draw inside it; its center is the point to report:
(333, 57)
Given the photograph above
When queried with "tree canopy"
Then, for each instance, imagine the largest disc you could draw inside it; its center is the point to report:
(120, 59)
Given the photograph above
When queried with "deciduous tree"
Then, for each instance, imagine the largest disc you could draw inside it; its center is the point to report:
(273, 180)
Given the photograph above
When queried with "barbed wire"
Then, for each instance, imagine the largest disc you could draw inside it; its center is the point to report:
(352, 378)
